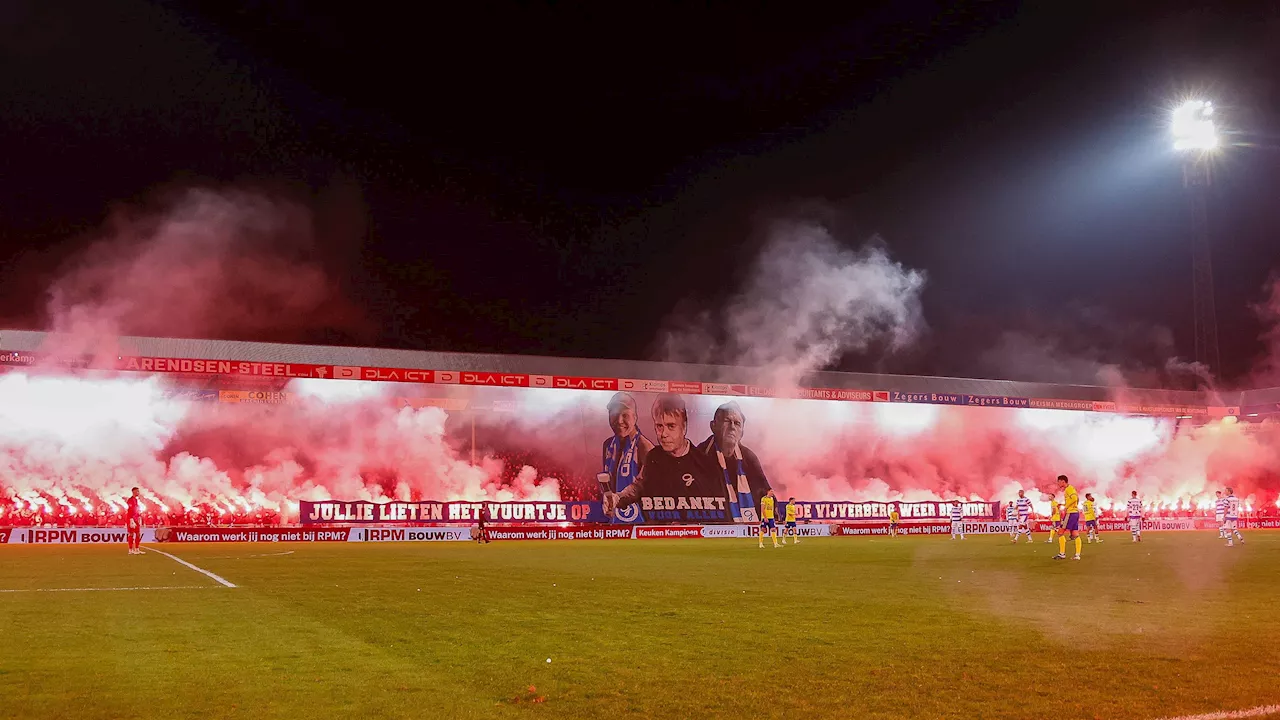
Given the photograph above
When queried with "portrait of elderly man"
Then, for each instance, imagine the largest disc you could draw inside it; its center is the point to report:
(744, 478)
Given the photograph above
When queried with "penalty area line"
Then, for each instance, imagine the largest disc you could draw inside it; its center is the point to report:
(202, 571)
(113, 589)
(1260, 711)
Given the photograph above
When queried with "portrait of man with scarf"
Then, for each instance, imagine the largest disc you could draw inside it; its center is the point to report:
(744, 478)
(623, 455)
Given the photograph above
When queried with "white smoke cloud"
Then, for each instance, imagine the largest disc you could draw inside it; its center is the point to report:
(806, 301)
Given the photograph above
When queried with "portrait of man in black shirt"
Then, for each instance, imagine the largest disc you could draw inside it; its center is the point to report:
(676, 483)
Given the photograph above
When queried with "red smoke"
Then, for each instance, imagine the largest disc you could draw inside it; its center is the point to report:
(204, 264)
(919, 452)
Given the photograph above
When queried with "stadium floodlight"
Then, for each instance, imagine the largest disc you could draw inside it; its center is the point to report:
(1195, 138)
(1193, 126)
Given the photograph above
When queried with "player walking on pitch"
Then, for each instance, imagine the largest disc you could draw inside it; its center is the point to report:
(1220, 514)
(894, 519)
(789, 512)
(133, 523)
(1135, 516)
(1055, 518)
(1231, 527)
(1011, 517)
(1024, 515)
(1091, 517)
(957, 520)
(767, 521)
(1071, 524)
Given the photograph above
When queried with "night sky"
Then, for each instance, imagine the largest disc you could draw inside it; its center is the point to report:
(556, 181)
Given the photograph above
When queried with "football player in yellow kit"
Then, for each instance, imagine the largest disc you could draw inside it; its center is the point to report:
(767, 521)
(789, 517)
(1091, 517)
(1071, 519)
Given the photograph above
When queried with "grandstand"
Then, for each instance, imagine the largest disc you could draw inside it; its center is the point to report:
(488, 389)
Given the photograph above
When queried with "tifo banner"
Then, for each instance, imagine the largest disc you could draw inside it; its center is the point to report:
(344, 512)
(880, 510)
(654, 508)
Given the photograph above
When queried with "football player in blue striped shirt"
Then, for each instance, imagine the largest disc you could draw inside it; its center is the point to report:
(1024, 514)
(1135, 516)
(957, 520)
(1231, 526)
(1220, 514)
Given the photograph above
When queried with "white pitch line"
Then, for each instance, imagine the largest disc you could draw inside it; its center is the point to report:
(164, 587)
(1260, 711)
(200, 570)
(244, 557)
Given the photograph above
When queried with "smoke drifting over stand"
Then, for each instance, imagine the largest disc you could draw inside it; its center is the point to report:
(203, 263)
(806, 301)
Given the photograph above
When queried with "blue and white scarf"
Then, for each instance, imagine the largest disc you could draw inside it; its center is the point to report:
(624, 468)
(741, 505)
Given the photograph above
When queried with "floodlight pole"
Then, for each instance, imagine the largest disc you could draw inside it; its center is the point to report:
(1197, 178)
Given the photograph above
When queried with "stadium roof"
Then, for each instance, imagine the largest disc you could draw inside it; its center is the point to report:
(30, 342)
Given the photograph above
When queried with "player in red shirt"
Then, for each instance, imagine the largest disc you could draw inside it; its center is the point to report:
(133, 521)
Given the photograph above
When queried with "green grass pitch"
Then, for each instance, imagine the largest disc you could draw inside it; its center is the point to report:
(834, 627)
